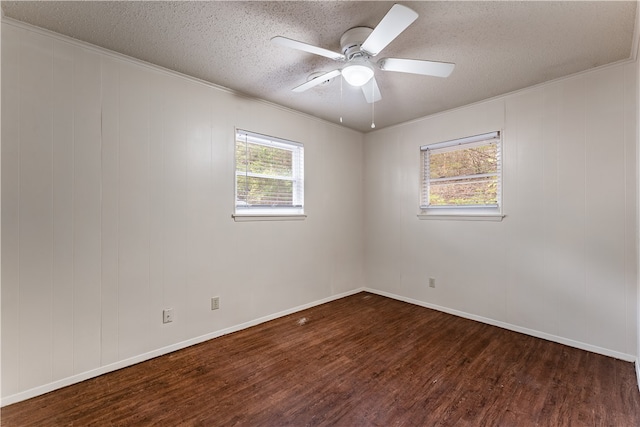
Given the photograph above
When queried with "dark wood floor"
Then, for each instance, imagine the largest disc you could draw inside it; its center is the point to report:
(364, 360)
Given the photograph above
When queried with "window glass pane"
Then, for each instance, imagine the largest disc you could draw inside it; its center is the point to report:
(260, 159)
(264, 191)
(461, 192)
(464, 162)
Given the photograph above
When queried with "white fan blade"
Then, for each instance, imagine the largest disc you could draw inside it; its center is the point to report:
(394, 22)
(371, 91)
(416, 66)
(318, 80)
(283, 41)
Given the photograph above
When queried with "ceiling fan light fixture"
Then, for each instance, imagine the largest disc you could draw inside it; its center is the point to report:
(357, 74)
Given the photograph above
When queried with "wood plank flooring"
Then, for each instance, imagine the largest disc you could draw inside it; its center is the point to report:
(363, 360)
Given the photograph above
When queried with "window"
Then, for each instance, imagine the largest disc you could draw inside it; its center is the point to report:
(462, 177)
(269, 175)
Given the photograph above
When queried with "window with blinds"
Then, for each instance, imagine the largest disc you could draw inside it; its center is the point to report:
(269, 175)
(463, 173)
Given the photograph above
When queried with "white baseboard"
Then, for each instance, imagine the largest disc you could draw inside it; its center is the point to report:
(37, 391)
(509, 326)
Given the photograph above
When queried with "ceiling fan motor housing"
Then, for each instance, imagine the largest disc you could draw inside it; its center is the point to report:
(351, 41)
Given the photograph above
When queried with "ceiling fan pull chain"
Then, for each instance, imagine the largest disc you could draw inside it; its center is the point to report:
(373, 125)
(341, 103)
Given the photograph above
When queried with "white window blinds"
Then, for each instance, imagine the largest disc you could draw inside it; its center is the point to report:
(269, 174)
(462, 173)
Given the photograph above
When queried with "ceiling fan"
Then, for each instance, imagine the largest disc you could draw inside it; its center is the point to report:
(359, 45)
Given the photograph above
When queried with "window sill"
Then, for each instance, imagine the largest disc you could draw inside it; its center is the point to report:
(268, 217)
(462, 217)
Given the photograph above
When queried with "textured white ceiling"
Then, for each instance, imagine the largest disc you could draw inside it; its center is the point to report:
(498, 47)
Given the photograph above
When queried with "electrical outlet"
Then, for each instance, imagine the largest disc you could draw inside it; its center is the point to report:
(432, 282)
(215, 303)
(167, 315)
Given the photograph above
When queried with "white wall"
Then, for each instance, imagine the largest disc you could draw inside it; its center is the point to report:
(1, 16)
(117, 195)
(563, 263)
(635, 48)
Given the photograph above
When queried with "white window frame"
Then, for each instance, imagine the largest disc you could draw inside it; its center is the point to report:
(271, 213)
(469, 212)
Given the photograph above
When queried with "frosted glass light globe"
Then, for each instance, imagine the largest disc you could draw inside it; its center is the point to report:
(357, 74)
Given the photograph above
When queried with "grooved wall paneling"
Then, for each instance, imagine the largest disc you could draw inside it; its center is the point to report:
(562, 263)
(117, 195)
